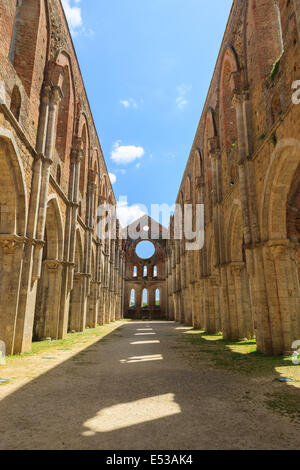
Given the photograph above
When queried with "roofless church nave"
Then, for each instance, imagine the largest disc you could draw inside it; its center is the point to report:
(58, 275)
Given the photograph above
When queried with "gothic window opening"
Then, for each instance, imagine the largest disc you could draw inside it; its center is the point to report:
(145, 298)
(132, 298)
(15, 103)
(157, 298)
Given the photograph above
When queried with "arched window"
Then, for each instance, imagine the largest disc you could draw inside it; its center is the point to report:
(134, 271)
(28, 38)
(155, 272)
(145, 298)
(145, 271)
(132, 298)
(227, 110)
(15, 103)
(157, 298)
(58, 174)
(83, 162)
(64, 118)
(188, 191)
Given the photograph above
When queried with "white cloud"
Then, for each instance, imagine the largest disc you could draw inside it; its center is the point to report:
(113, 178)
(128, 214)
(181, 103)
(125, 103)
(182, 92)
(131, 103)
(73, 13)
(74, 17)
(124, 154)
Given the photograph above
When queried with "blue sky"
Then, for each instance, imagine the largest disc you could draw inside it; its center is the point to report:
(147, 65)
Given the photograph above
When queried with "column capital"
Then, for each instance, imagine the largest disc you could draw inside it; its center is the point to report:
(279, 247)
(56, 95)
(214, 146)
(10, 243)
(46, 92)
(237, 267)
(237, 98)
(52, 264)
(76, 153)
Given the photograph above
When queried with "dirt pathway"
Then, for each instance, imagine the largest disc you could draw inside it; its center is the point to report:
(135, 390)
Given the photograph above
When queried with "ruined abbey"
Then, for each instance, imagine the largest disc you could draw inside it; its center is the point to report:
(57, 275)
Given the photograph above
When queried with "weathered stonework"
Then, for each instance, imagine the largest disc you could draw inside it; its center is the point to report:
(244, 166)
(56, 273)
(146, 276)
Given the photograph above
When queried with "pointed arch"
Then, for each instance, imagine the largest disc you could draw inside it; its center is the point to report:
(66, 110)
(188, 189)
(54, 229)
(229, 70)
(278, 181)
(198, 164)
(157, 298)
(85, 157)
(145, 298)
(234, 234)
(13, 195)
(30, 40)
(132, 300)
(103, 192)
(209, 135)
(78, 252)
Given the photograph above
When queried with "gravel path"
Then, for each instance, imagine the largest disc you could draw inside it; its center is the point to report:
(135, 390)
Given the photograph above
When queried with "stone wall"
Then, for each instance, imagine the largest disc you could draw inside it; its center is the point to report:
(244, 167)
(57, 275)
(145, 276)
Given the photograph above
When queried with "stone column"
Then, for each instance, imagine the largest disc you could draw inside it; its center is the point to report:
(78, 307)
(48, 301)
(243, 301)
(288, 292)
(11, 258)
(227, 334)
(92, 309)
(217, 302)
(70, 239)
(32, 258)
(238, 99)
(260, 308)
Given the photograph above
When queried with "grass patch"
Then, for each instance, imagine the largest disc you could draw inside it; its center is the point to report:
(286, 403)
(241, 356)
(71, 339)
(275, 69)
